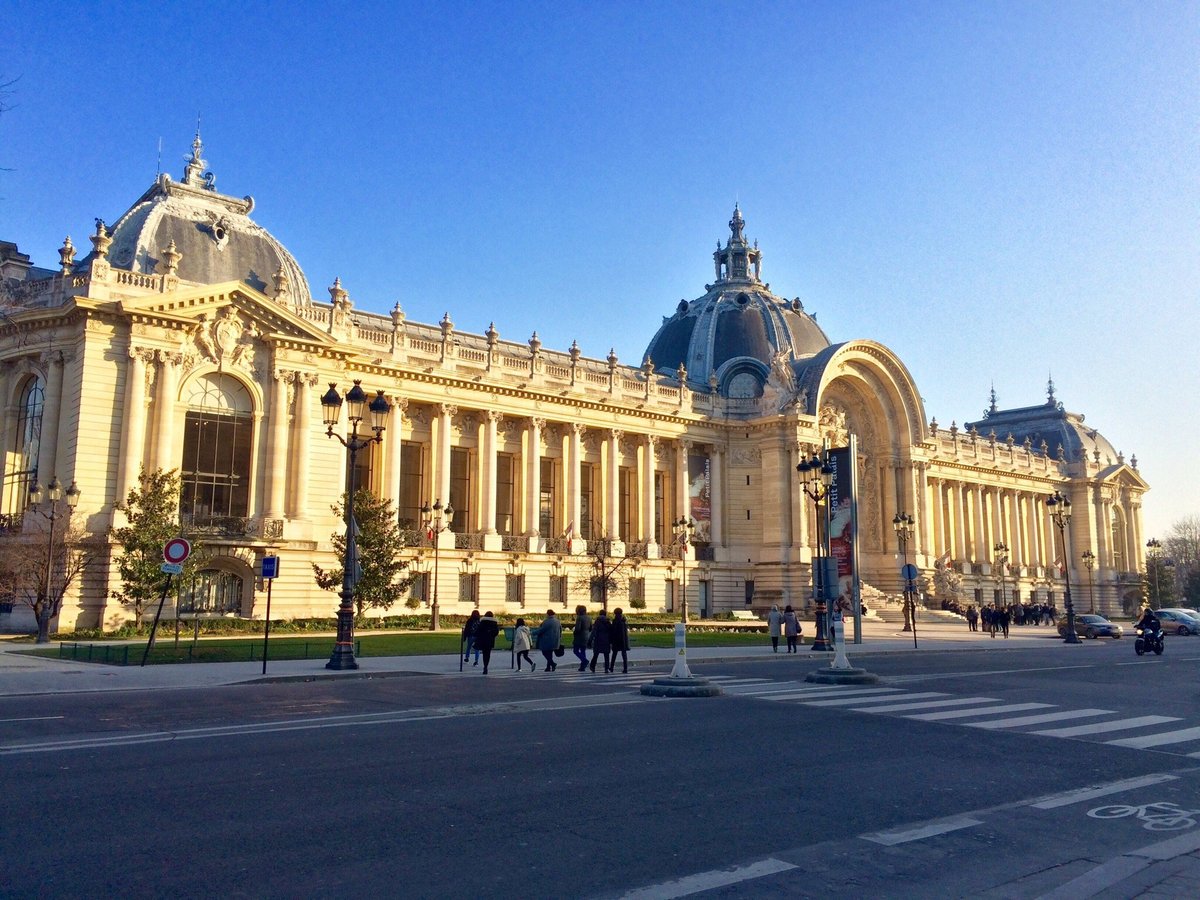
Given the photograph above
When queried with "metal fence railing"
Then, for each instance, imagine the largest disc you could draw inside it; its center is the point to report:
(131, 654)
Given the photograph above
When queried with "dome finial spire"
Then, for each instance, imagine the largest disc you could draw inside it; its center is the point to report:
(193, 173)
(1050, 401)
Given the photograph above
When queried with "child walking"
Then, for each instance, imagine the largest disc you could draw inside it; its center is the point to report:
(521, 644)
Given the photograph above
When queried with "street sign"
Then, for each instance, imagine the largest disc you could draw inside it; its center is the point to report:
(270, 567)
(909, 572)
(172, 568)
(176, 550)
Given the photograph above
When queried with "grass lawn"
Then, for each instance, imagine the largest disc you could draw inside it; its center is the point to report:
(317, 647)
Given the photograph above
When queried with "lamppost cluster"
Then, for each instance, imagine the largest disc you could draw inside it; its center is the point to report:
(816, 480)
(903, 525)
(683, 529)
(436, 519)
(1089, 563)
(357, 407)
(1059, 508)
(999, 562)
(52, 496)
(1154, 549)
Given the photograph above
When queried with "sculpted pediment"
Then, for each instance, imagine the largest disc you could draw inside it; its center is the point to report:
(1125, 476)
(221, 314)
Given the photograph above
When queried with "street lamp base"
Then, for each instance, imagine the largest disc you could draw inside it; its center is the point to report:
(906, 627)
(435, 618)
(342, 658)
(1072, 639)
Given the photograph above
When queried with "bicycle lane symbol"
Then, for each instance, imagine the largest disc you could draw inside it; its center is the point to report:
(1161, 816)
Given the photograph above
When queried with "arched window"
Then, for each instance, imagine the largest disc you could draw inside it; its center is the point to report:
(20, 469)
(212, 592)
(217, 444)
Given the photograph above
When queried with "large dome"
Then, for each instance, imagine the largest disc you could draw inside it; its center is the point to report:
(738, 331)
(213, 233)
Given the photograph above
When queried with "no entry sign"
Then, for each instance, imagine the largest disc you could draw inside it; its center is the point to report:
(176, 550)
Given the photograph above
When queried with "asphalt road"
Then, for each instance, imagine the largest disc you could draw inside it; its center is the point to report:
(568, 785)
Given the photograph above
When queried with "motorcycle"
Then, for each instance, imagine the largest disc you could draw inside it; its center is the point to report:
(1147, 640)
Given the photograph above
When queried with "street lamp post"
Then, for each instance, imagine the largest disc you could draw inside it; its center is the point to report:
(54, 494)
(1060, 513)
(342, 656)
(903, 524)
(816, 480)
(1154, 555)
(437, 519)
(683, 530)
(1000, 561)
(1089, 562)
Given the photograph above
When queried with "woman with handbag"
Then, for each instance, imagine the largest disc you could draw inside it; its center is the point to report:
(618, 633)
(548, 636)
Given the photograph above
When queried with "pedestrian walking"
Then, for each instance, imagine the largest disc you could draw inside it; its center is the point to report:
(1005, 616)
(972, 618)
(601, 640)
(469, 630)
(619, 638)
(775, 627)
(791, 629)
(583, 632)
(485, 637)
(521, 645)
(548, 638)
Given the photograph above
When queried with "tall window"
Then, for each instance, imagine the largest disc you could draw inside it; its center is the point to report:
(506, 492)
(412, 481)
(20, 471)
(558, 589)
(460, 488)
(587, 488)
(514, 590)
(217, 445)
(660, 514)
(625, 479)
(468, 589)
(212, 592)
(546, 502)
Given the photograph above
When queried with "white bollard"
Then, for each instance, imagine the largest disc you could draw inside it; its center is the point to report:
(681, 667)
(840, 659)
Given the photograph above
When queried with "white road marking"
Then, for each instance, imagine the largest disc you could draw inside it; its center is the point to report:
(1157, 740)
(1044, 717)
(892, 838)
(706, 881)
(1101, 727)
(1054, 801)
(33, 719)
(926, 704)
(982, 711)
(859, 696)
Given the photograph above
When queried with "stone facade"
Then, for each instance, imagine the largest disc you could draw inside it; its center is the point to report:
(107, 368)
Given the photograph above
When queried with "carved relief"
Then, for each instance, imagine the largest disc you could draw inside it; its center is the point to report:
(745, 456)
(225, 339)
(832, 426)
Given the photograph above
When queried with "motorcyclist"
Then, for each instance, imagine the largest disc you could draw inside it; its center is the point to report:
(1148, 621)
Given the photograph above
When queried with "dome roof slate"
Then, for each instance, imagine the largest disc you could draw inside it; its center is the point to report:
(213, 232)
(738, 331)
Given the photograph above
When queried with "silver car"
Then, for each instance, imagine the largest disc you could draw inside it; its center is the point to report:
(1179, 621)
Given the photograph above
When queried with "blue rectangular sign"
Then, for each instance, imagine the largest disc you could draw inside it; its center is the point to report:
(270, 567)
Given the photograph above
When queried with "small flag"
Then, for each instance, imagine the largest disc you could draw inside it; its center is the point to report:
(570, 532)
(942, 560)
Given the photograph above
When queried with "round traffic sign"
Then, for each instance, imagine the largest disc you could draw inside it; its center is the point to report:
(176, 550)
(909, 572)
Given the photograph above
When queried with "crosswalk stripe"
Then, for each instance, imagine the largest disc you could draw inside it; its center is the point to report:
(862, 698)
(1157, 740)
(927, 704)
(1101, 727)
(982, 711)
(1038, 720)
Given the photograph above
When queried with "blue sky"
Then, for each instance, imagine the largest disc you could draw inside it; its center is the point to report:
(996, 191)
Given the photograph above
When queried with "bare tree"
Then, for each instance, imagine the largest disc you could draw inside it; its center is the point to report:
(605, 578)
(38, 568)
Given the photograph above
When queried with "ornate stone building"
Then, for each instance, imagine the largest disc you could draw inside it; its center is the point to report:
(188, 339)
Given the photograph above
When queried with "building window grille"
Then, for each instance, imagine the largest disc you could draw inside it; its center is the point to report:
(514, 590)
(468, 589)
(558, 589)
(217, 449)
(212, 592)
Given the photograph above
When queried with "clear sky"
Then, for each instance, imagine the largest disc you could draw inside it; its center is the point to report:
(996, 191)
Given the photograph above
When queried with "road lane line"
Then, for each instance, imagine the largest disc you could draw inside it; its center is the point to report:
(33, 719)
(859, 696)
(1101, 727)
(1157, 740)
(926, 704)
(1038, 720)
(892, 838)
(1054, 801)
(707, 881)
(982, 711)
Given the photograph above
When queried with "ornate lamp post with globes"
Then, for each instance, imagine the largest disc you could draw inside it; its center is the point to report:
(436, 519)
(903, 524)
(331, 410)
(1000, 562)
(45, 607)
(816, 480)
(683, 529)
(1154, 561)
(1089, 563)
(1060, 513)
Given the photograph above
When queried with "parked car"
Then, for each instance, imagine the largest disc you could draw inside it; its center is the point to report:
(1179, 621)
(1091, 626)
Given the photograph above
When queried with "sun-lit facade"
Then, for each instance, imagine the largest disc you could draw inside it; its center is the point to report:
(188, 339)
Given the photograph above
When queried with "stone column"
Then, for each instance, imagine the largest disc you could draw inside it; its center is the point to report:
(800, 503)
(393, 448)
(277, 445)
(301, 444)
(533, 476)
(164, 419)
(47, 464)
(446, 412)
(490, 442)
(133, 437)
(980, 552)
(646, 493)
(575, 479)
(717, 498)
(612, 487)
(681, 480)
(958, 510)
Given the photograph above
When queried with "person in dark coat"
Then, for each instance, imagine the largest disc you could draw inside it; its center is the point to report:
(548, 637)
(583, 631)
(972, 619)
(618, 633)
(791, 629)
(468, 634)
(601, 640)
(485, 637)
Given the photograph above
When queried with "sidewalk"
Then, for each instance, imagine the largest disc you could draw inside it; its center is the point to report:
(25, 675)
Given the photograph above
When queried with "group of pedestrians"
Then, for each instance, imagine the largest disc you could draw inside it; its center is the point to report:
(996, 620)
(605, 637)
(787, 624)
